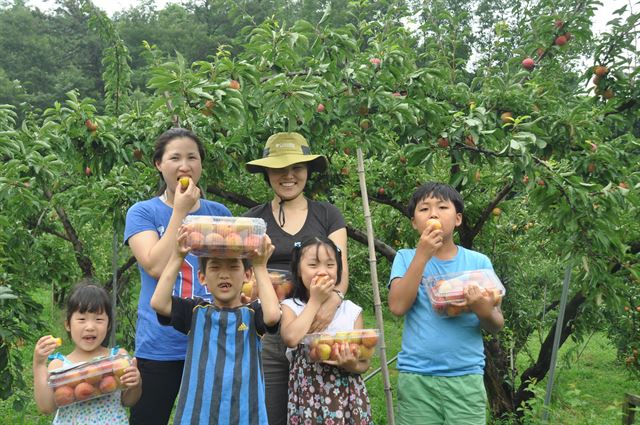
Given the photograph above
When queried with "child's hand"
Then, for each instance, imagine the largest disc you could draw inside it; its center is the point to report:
(45, 346)
(181, 245)
(321, 287)
(480, 301)
(346, 358)
(261, 259)
(430, 241)
(131, 377)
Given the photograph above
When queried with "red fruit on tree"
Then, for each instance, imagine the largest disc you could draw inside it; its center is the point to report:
(443, 142)
(525, 179)
(233, 84)
(506, 117)
(381, 191)
(344, 171)
(469, 141)
(375, 61)
(87, 171)
(560, 40)
(541, 182)
(320, 108)
(91, 126)
(594, 147)
(600, 71)
(528, 64)
(365, 124)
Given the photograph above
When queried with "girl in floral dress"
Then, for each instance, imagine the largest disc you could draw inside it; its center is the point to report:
(330, 392)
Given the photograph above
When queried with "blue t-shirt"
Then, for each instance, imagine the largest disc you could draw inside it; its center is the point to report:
(153, 341)
(436, 345)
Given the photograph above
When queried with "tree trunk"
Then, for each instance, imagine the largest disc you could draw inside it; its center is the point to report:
(499, 387)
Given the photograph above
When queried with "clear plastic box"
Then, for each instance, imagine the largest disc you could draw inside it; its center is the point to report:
(324, 346)
(446, 292)
(280, 279)
(224, 237)
(88, 380)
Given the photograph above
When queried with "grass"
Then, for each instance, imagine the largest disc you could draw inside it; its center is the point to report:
(589, 389)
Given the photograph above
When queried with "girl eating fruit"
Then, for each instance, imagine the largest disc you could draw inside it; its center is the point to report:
(88, 322)
(325, 385)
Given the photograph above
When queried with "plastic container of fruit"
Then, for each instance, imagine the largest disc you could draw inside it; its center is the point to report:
(325, 346)
(89, 380)
(280, 279)
(446, 292)
(224, 237)
(282, 283)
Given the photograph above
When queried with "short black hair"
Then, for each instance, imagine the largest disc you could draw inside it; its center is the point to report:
(88, 296)
(202, 264)
(299, 290)
(441, 191)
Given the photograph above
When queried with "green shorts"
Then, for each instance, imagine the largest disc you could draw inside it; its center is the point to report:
(441, 400)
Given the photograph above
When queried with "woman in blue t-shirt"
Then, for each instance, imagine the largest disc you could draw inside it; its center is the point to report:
(150, 231)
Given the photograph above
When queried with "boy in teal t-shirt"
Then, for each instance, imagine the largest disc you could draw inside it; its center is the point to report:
(441, 363)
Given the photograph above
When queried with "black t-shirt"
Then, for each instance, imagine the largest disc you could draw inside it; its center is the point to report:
(322, 220)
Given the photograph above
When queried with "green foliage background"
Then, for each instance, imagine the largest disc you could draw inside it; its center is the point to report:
(563, 172)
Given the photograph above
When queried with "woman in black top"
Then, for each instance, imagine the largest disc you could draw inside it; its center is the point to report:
(287, 163)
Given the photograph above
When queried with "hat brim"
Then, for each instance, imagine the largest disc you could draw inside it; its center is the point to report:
(316, 162)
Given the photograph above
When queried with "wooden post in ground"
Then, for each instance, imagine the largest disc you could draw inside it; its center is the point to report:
(377, 304)
(631, 404)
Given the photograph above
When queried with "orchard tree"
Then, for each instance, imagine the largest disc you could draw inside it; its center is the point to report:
(539, 135)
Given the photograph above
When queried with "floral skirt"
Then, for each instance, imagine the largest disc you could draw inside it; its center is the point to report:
(325, 394)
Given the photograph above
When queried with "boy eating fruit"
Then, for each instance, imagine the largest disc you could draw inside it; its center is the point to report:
(441, 363)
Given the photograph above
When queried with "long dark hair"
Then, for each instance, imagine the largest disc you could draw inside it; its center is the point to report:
(161, 144)
(90, 297)
(299, 248)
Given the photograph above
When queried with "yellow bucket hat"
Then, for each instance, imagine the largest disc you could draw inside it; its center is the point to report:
(284, 149)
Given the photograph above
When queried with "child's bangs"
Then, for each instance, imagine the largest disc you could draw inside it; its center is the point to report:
(330, 251)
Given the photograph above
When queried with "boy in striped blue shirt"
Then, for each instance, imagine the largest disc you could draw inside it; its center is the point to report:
(222, 381)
